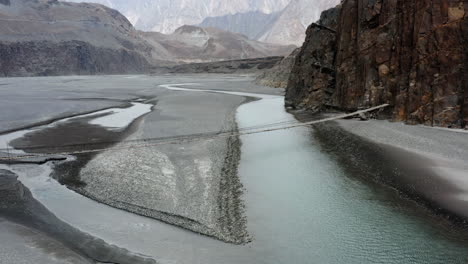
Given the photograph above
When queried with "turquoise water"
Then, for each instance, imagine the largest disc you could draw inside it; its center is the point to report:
(302, 208)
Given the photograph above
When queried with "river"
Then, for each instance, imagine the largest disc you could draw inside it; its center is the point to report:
(303, 208)
(300, 204)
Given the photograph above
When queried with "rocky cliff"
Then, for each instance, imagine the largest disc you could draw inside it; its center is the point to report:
(312, 79)
(410, 54)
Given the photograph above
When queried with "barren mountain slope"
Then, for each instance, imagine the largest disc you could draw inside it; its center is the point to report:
(197, 44)
(48, 37)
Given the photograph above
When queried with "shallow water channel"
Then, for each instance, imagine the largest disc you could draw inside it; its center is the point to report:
(301, 208)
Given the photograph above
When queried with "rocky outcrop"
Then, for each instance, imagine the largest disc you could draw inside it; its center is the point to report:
(312, 79)
(410, 54)
(278, 76)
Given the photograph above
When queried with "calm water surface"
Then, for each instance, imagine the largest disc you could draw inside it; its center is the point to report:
(302, 208)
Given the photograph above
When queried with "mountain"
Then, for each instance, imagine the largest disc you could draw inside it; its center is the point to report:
(290, 26)
(167, 15)
(47, 37)
(251, 24)
(273, 21)
(197, 44)
(411, 55)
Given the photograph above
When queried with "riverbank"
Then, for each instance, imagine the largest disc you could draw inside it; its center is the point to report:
(425, 164)
(67, 243)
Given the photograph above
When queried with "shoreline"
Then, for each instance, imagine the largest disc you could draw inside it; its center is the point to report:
(410, 173)
(18, 205)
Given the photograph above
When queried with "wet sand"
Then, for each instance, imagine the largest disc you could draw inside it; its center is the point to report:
(72, 136)
(22, 245)
(19, 206)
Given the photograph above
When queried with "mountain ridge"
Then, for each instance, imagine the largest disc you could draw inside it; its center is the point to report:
(190, 44)
(165, 16)
(50, 37)
(272, 21)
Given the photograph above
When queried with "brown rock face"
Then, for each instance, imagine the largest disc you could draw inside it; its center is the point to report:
(312, 80)
(464, 26)
(410, 54)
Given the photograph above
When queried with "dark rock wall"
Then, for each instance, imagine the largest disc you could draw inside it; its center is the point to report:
(411, 54)
(69, 57)
(464, 27)
(312, 80)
